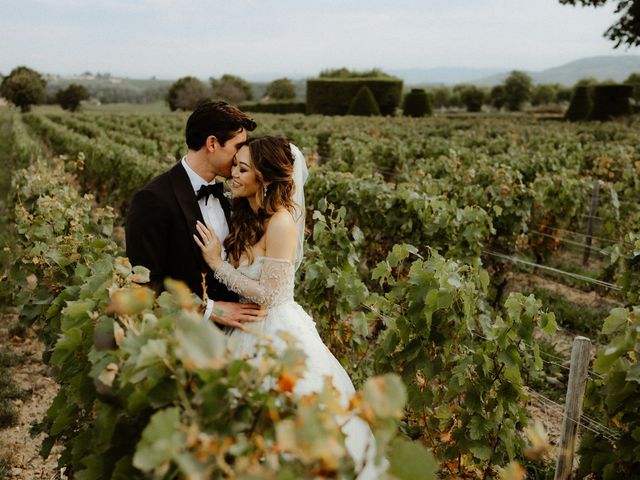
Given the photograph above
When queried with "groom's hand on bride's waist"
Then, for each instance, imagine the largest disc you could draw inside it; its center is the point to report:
(233, 314)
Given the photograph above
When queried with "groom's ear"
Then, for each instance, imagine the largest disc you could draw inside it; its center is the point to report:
(211, 143)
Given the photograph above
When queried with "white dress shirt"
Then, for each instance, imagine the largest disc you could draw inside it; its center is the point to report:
(212, 214)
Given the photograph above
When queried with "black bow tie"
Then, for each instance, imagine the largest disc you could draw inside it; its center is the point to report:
(217, 190)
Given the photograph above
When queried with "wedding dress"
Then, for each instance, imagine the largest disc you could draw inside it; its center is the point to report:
(269, 282)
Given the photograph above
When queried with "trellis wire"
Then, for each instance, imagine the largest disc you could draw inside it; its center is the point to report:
(590, 424)
(591, 373)
(551, 269)
(602, 239)
(570, 242)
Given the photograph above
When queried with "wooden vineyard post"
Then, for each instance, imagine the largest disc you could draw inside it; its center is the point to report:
(573, 406)
(592, 214)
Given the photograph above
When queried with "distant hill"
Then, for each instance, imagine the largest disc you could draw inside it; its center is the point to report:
(443, 75)
(608, 67)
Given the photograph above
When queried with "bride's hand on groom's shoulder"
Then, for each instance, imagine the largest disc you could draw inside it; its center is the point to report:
(209, 244)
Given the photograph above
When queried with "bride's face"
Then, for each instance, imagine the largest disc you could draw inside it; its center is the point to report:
(244, 182)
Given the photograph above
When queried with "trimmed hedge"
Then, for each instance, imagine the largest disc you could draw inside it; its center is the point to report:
(333, 96)
(417, 103)
(274, 107)
(611, 101)
(600, 102)
(364, 104)
(581, 104)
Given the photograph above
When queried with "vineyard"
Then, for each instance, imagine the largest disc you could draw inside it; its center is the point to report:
(449, 263)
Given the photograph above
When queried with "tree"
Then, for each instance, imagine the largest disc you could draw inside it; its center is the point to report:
(335, 73)
(281, 89)
(441, 97)
(586, 82)
(627, 29)
(231, 89)
(517, 90)
(24, 87)
(543, 94)
(455, 100)
(456, 95)
(497, 97)
(70, 97)
(346, 73)
(563, 94)
(472, 97)
(186, 93)
(634, 79)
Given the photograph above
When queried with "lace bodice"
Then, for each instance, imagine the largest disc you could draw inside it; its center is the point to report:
(267, 281)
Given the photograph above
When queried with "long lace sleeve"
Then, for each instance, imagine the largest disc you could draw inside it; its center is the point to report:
(274, 287)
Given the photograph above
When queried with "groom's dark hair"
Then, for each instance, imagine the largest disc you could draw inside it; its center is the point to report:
(219, 119)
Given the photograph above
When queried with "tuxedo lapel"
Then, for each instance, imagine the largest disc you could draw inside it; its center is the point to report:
(188, 204)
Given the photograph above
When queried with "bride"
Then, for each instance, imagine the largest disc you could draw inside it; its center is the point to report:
(264, 248)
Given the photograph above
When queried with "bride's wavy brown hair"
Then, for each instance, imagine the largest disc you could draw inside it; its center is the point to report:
(272, 162)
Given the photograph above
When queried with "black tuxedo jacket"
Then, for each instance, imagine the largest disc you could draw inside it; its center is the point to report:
(159, 234)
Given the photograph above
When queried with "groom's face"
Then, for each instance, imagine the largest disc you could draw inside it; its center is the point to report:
(223, 154)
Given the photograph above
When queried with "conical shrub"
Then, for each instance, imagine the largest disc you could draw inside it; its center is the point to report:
(364, 104)
(417, 103)
(581, 104)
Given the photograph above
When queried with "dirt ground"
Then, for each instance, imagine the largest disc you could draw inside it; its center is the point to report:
(29, 374)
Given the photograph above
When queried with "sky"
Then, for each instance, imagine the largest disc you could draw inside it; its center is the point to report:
(168, 39)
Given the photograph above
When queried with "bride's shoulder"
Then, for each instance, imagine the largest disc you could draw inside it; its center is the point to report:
(282, 222)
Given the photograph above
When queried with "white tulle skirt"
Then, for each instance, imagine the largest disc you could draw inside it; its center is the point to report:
(320, 363)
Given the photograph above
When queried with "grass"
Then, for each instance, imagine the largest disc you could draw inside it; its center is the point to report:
(5, 467)
(8, 414)
(9, 390)
(9, 359)
(18, 330)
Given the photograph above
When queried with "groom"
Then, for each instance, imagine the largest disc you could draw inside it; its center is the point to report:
(162, 218)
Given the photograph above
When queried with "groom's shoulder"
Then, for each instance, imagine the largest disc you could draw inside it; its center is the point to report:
(158, 190)
(163, 181)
